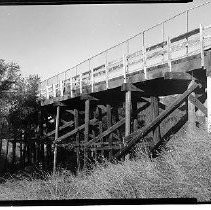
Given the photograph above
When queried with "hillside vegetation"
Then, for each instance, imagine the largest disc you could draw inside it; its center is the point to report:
(182, 170)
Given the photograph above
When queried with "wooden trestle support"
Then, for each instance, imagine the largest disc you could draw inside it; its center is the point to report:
(109, 129)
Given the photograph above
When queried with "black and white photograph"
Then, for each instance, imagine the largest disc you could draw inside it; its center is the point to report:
(105, 103)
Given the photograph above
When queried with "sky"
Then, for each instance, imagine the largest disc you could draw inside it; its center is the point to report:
(47, 40)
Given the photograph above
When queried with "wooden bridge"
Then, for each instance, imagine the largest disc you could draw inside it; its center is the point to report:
(93, 108)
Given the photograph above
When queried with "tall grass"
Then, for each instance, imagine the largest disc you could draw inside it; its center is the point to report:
(183, 169)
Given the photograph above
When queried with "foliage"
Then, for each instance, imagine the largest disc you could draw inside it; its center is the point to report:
(9, 78)
(23, 111)
(182, 170)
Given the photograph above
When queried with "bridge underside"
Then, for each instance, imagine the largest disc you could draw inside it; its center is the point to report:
(108, 123)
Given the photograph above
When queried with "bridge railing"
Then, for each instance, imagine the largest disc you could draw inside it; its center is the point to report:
(163, 43)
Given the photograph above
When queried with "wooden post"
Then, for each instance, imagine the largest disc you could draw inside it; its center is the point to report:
(109, 124)
(191, 112)
(127, 112)
(101, 128)
(127, 115)
(6, 154)
(56, 137)
(1, 131)
(135, 114)
(13, 151)
(86, 132)
(155, 113)
(24, 153)
(21, 153)
(77, 139)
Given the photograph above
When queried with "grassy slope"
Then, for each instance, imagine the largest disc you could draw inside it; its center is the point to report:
(182, 170)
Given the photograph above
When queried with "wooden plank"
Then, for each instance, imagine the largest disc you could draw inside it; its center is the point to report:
(68, 124)
(59, 139)
(76, 120)
(107, 132)
(198, 104)
(185, 35)
(137, 136)
(159, 45)
(56, 137)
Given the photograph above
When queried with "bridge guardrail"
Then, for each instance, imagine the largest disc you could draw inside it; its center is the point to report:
(130, 57)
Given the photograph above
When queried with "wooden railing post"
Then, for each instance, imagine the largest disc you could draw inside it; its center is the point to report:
(56, 137)
(169, 53)
(202, 44)
(81, 85)
(187, 28)
(54, 90)
(144, 56)
(47, 92)
(61, 88)
(106, 70)
(125, 67)
(71, 87)
(92, 77)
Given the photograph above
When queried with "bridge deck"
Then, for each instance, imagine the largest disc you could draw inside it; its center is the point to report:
(145, 68)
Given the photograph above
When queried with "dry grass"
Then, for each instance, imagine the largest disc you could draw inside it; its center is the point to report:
(182, 170)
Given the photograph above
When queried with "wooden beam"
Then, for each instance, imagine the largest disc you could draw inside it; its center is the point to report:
(88, 97)
(59, 139)
(59, 103)
(130, 87)
(137, 136)
(70, 111)
(198, 104)
(107, 132)
(69, 124)
(178, 76)
(56, 137)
